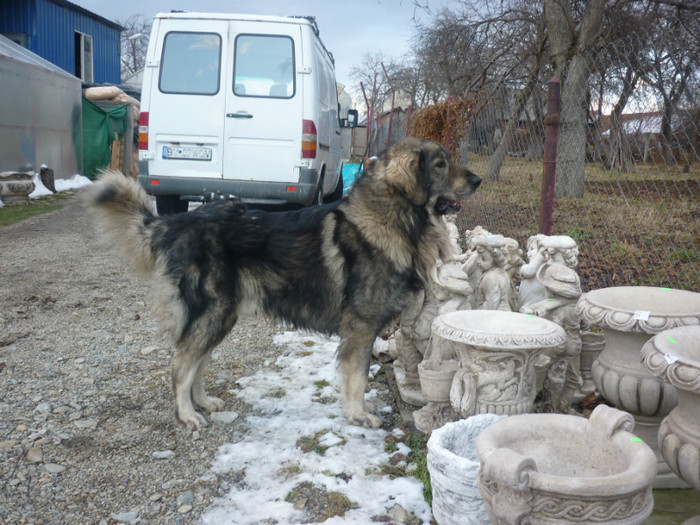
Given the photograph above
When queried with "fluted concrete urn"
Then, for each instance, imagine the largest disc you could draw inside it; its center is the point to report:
(555, 469)
(674, 356)
(629, 316)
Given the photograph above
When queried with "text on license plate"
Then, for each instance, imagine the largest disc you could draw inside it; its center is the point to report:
(172, 152)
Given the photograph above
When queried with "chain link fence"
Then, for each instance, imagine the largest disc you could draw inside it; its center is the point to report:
(638, 222)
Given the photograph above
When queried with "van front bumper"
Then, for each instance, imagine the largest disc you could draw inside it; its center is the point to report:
(199, 189)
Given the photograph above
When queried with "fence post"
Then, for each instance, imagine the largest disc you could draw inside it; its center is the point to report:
(549, 163)
(448, 138)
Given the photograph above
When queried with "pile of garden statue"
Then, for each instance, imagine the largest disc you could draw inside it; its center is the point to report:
(497, 352)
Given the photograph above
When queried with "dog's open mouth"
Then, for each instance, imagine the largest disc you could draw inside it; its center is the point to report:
(445, 205)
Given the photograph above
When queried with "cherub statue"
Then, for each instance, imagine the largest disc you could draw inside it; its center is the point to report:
(515, 261)
(542, 249)
(562, 290)
(490, 259)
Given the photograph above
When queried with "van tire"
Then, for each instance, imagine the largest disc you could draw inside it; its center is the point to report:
(318, 196)
(169, 204)
(338, 191)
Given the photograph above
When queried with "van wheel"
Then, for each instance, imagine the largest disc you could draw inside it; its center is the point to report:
(338, 191)
(169, 204)
(318, 196)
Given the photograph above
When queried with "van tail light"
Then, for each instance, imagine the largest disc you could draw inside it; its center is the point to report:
(143, 131)
(308, 140)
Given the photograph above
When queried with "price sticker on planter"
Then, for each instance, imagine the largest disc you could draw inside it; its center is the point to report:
(641, 315)
(670, 358)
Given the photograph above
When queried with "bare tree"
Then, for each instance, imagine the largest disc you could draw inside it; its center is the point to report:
(496, 160)
(674, 65)
(134, 43)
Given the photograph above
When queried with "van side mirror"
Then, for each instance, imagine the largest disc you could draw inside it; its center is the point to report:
(352, 119)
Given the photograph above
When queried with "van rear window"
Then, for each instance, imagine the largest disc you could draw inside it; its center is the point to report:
(264, 66)
(191, 63)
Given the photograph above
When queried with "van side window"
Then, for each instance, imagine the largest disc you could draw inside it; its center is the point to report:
(264, 66)
(191, 63)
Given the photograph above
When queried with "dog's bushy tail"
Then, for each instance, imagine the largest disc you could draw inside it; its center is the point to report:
(124, 215)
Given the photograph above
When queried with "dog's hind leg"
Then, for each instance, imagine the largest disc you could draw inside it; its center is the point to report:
(189, 366)
(186, 367)
(199, 394)
(354, 353)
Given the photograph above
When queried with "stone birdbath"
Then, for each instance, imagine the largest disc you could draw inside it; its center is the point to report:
(556, 468)
(674, 356)
(496, 351)
(629, 316)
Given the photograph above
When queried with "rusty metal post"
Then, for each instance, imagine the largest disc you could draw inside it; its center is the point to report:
(368, 124)
(549, 163)
(448, 137)
(408, 119)
(391, 114)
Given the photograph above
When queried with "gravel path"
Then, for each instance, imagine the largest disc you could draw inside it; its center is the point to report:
(86, 427)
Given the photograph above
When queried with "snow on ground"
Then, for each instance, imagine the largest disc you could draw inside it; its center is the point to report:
(287, 395)
(76, 181)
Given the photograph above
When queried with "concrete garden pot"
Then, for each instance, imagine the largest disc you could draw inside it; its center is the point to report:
(436, 379)
(15, 187)
(555, 469)
(629, 316)
(454, 465)
(674, 356)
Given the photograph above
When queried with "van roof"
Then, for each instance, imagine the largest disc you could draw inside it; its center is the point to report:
(305, 20)
(289, 19)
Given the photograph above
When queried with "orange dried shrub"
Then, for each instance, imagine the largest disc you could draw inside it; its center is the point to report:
(444, 122)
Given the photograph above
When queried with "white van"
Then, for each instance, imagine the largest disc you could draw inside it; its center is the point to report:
(241, 105)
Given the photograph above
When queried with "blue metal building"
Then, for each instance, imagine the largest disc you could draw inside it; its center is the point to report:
(67, 35)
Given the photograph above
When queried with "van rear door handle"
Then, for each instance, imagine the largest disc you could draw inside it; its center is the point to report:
(239, 114)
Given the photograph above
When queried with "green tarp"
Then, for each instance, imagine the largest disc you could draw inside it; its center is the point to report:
(99, 125)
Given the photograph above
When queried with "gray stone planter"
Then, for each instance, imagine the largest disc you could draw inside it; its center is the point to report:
(674, 356)
(629, 316)
(454, 465)
(555, 469)
(15, 187)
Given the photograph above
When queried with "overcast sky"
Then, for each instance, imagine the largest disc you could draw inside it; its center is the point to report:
(349, 29)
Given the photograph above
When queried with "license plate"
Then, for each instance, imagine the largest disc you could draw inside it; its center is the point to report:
(172, 152)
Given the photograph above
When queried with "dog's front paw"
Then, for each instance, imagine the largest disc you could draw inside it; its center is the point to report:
(365, 419)
(210, 403)
(191, 421)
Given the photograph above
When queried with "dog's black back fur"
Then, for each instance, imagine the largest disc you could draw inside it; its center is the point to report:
(210, 246)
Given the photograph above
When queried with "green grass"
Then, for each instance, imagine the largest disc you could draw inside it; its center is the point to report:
(10, 215)
(640, 227)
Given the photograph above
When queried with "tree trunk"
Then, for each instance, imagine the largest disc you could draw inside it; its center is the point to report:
(571, 150)
(618, 154)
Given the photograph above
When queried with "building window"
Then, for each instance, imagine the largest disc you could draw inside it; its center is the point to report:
(83, 57)
(17, 38)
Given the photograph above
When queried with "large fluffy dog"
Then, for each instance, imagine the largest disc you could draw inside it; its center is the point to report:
(348, 268)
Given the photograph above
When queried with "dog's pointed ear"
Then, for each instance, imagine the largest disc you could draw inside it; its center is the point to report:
(406, 164)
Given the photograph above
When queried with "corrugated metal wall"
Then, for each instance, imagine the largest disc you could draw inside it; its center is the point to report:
(51, 29)
(15, 16)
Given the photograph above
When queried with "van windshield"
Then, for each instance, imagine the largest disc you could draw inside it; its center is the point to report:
(264, 66)
(191, 63)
